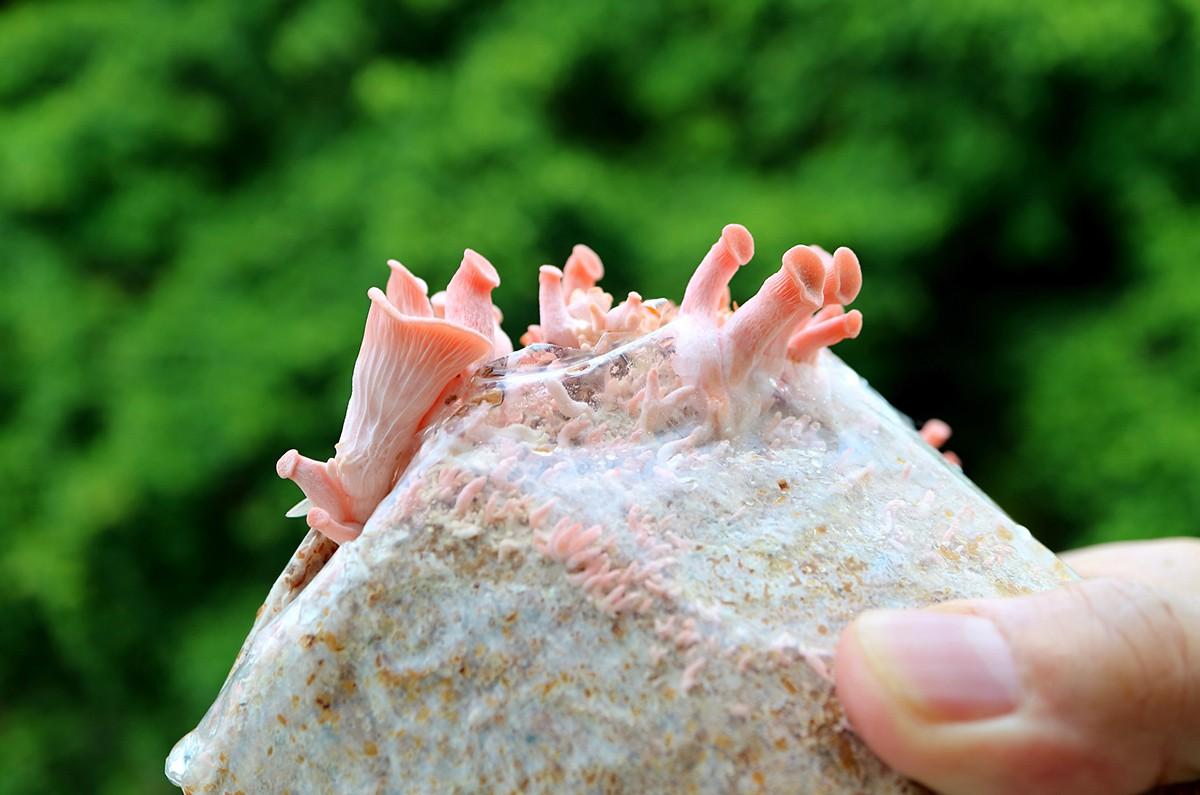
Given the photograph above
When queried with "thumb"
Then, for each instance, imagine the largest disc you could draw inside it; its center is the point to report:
(1093, 688)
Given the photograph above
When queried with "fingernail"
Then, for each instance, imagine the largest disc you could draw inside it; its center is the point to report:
(948, 666)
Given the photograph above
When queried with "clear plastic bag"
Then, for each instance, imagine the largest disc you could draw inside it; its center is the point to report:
(611, 567)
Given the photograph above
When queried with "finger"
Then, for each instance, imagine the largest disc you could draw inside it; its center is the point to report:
(1093, 688)
(1172, 563)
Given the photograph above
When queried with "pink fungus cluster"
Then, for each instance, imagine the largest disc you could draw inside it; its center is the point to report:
(414, 352)
(419, 351)
(615, 588)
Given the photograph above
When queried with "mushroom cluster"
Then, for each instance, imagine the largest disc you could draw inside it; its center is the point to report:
(614, 560)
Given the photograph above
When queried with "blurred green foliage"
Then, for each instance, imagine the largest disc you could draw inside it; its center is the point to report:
(195, 196)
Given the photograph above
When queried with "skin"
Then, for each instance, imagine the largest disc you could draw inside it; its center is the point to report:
(1093, 688)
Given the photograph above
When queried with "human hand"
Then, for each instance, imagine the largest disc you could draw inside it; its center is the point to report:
(1092, 688)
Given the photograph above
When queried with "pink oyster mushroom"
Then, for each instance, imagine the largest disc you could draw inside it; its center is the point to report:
(408, 360)
(417, 350)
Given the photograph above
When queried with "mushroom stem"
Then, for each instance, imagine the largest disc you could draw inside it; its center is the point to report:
(319, 485)
(555, 322)
(806, 342)
(757, 330)
(706, 288)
